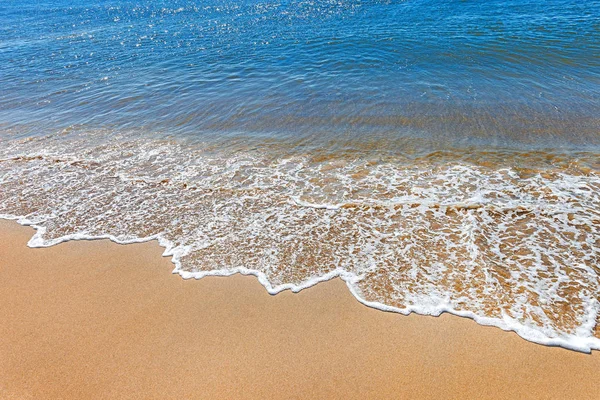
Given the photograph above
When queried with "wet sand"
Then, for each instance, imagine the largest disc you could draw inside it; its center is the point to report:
(93, 319)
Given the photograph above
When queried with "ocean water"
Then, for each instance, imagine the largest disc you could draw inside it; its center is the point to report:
(438, 156)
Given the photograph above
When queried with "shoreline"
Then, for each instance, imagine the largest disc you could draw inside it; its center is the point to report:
(459, 238)
(169, 250)
(99, 319)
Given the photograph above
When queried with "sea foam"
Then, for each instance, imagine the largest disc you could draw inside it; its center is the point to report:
(512, 242)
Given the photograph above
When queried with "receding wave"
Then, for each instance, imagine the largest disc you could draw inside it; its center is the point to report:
(510, 239)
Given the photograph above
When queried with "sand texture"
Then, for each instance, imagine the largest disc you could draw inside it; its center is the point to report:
(93, 319)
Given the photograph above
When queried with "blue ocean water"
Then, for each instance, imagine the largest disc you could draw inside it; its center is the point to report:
(491, 73)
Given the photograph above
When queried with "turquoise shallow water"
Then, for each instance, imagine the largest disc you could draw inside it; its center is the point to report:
(438, 156)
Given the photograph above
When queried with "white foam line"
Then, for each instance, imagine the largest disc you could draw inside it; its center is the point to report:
(302, 203)
(572, 342)
(546, 210)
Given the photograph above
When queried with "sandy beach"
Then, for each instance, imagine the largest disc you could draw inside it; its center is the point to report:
(94, 319)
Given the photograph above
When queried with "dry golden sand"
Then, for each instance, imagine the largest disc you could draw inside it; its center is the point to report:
(94, 319)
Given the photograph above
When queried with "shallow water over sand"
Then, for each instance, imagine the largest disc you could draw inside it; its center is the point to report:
(509, 238)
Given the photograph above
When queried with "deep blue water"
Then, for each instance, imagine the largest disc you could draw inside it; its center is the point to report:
(497, 72)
